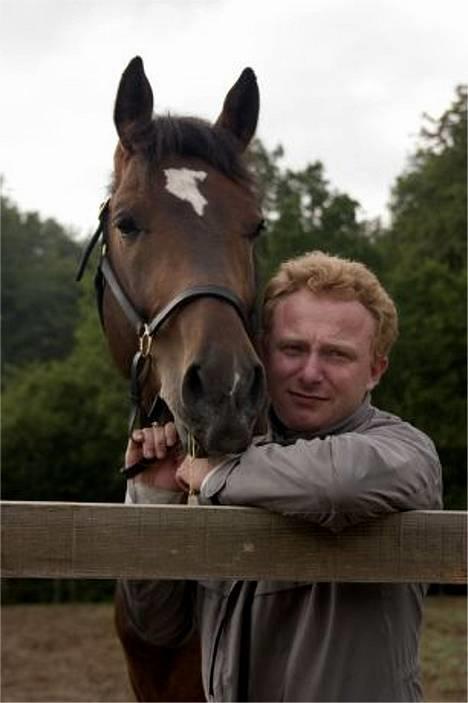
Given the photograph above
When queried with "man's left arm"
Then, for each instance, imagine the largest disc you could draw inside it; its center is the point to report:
(336, 481)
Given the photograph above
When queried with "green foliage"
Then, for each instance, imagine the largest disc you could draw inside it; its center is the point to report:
(303, 214)
(64, 424)
(39, 297)
(425, 270)
(429, 200)
(15, 591)
(431, 350)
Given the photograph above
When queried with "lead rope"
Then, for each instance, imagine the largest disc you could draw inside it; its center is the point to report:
(192, 446)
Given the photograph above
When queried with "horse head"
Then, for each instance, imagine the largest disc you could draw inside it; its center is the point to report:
(180, 226)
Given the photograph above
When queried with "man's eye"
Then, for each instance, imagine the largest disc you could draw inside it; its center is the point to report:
(127, 226)
(336, 354)
(291, 350)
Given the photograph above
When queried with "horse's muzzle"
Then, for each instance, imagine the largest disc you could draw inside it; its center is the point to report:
(221, 411)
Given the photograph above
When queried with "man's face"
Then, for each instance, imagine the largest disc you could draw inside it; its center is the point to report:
(319, 359)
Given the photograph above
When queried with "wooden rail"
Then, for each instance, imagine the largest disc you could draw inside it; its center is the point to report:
(103, 541)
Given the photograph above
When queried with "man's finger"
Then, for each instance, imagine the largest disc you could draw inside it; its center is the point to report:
(149, 450)
(171, 434)
(159, 441)
(133, 453)
(137, 436)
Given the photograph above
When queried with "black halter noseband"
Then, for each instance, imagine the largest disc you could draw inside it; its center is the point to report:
(145, 329)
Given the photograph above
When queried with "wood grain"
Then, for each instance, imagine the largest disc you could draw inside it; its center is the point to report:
(106, 541)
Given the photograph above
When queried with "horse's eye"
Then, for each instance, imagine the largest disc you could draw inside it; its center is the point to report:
(259, 229)
(127, 226)
(256, 229)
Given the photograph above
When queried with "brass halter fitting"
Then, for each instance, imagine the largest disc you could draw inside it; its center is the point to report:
(145, 341)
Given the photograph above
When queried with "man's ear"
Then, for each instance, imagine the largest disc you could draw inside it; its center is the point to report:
(378, 368)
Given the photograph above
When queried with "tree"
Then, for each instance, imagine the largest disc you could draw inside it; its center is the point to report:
(428, 202)
(425, 271)
(39, 296)
(65, 423)
(304, 214)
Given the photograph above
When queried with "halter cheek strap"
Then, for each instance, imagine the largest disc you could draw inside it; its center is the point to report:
(89, 248)
(149, 328)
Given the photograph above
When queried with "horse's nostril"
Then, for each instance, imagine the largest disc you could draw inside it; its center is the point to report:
(192, 387)
(203, 384)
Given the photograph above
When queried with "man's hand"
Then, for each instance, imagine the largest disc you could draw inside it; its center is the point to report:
(171, 469)
(191, 472)
(162, 445)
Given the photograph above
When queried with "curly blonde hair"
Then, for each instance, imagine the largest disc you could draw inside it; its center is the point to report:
(342, 279)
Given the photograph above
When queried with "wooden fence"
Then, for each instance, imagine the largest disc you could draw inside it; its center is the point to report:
(106, 541)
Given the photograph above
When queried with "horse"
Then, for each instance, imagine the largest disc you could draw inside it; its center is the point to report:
(177, 290)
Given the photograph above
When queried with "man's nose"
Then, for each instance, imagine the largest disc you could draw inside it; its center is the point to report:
(312, 369)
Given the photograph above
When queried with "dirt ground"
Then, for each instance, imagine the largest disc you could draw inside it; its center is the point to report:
(70, 653)
(61, 653)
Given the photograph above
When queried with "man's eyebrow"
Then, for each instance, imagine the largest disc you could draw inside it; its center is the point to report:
(339, 346)
(288, 339)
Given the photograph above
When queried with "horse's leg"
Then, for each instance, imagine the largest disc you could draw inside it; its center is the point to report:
(159, 673)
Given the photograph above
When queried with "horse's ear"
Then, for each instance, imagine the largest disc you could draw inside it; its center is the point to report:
(241, 108)
(133, 110)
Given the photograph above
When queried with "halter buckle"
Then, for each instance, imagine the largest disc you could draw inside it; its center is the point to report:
(145, 341)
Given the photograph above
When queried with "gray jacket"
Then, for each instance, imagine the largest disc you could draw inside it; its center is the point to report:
(296, 641)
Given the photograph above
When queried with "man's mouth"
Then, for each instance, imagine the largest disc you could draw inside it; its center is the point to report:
(308, 397)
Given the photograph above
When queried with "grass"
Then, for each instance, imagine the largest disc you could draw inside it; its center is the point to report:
(71, 653)
(444, 649)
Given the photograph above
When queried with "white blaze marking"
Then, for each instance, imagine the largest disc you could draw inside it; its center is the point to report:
(182, 182)
(235, 383)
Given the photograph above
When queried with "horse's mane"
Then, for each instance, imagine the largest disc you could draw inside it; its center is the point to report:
(194, 137)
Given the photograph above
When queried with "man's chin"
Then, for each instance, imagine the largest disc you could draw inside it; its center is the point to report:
(306, 421)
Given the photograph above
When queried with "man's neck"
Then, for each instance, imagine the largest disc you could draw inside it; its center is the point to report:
(348, 424)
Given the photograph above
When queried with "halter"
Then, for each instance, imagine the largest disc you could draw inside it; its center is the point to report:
(145, 329)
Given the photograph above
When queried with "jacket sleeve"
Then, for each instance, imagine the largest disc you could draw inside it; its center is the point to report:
(159, 612)
(337, 481)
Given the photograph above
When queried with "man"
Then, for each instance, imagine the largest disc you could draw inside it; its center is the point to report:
(331, 458)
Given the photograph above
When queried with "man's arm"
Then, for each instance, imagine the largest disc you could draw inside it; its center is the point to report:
(336, 481)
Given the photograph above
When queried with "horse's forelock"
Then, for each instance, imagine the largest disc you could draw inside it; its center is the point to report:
(196, 138)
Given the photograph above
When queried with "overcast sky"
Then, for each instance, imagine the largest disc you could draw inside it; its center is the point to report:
(343, 81)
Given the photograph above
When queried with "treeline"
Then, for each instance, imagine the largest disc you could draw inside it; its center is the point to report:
(65, 407)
